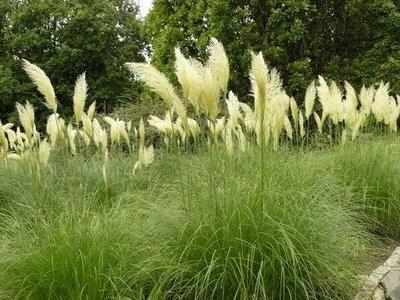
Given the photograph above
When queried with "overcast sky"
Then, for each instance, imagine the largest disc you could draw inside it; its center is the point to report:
(145, 6)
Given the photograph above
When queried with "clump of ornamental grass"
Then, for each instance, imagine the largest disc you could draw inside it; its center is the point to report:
(230, 238)
(188, 226)
(372, 169)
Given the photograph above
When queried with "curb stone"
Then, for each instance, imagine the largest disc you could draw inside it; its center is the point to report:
(384, 282)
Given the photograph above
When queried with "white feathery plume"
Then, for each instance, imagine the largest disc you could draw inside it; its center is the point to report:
(259, 78)
(219, 64)
(12, 138)
(335, 104)
(44, 152)
(194, 127)
(159, 83)
(52, 128)
(146, 154)
(27, 118)
(71, 133)
(324, 95)
(181, 71)
(309, 100)
(91, 110)
(3, 140)
(42, 82)
(210, 94)
(295, 113)
(249, 117)
(87, 124)
(350, 106)
(218, 128)
(80, 96)
(233, 108)
(14, 156)
(20, 139)
(351, 95)
(381, 107)
(288, 128)
(301, 124)
(319, 122)
(8, 126)
(189, 74)
(366, 98)
(163, 125)
(99, 135)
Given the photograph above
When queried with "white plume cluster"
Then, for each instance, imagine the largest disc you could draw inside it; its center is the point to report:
(330, 110)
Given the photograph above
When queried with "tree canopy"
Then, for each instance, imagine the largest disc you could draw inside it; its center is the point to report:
(66, 38)
(354, 40)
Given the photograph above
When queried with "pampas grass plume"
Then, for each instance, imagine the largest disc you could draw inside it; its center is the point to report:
(42, 82)
(80, 97)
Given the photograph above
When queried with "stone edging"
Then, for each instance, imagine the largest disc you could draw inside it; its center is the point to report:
(384, 282)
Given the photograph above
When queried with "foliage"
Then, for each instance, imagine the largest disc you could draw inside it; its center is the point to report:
(67, 38)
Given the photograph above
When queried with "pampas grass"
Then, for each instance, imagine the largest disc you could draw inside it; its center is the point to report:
(80, 97)
(166, 231)
(42, 82)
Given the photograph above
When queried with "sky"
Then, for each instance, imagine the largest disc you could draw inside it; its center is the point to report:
(144, 6)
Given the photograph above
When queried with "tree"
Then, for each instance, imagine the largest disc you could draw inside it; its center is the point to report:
(357, 40)
(66, 38)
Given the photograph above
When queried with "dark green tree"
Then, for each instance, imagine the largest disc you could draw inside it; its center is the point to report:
(66, 38)
(355, 40)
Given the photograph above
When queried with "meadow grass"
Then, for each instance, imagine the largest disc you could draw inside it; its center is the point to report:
(196, 225)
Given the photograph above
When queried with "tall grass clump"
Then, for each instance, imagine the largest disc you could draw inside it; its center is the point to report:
(169, 232)
(233, 240)
(372, 169)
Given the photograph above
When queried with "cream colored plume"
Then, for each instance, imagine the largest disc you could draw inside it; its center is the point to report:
(295, 113)
(44, 152)
(91, 110)
(27, 118)
(87, 124)
(249, 118)
(182, 72)
(194, 127)
(159, 83)
(366, 98)
(163, 125)
(3, 140)
(189, 74)
(146, 154)
(259, 78)
(233, 108)
(99, 135)
(71, 133)
(80, 97)
(301, 124)
(210, 94)
(309, 101)
(288, 127)
(319, 122)
(219, 64)
(42, 82)
(381, 106)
